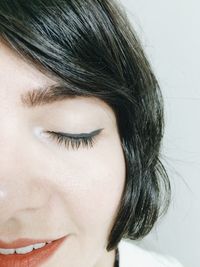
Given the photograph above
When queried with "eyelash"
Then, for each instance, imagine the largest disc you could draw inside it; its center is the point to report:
(75, 142)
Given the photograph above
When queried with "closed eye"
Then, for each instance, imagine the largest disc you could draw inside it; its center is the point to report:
(75, 140)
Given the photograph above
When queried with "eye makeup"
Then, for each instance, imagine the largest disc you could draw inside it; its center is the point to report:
(74, 140)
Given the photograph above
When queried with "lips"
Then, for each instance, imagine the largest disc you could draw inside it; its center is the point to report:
(32, 259)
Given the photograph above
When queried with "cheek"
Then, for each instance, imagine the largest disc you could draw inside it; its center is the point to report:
(88, 184)
(95, 191)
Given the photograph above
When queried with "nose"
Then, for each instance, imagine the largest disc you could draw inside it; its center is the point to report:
(22, 189)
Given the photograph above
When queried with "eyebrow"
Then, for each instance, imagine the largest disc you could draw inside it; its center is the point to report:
(46, 95)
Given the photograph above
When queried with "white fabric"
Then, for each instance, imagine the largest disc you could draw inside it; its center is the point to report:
(130, 255)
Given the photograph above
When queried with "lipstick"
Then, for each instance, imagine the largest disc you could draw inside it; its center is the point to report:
(32, 259)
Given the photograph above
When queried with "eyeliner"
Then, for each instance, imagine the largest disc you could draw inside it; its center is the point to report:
(81, 135)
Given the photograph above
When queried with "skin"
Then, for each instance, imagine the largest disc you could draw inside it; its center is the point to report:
(54, 190)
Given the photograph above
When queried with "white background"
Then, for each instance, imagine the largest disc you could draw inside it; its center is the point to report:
(170, 34)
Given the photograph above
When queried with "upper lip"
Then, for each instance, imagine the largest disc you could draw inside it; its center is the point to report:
(23, 242)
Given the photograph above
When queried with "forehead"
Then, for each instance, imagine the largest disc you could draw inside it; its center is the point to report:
(18, 73)
(21, 81)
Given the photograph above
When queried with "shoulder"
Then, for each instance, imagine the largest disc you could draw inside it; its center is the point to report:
(132, 255)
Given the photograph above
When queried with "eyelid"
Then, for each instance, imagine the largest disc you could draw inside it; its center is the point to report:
(81, 135)
(75, 140)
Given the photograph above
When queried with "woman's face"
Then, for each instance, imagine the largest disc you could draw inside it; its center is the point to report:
(49, 190)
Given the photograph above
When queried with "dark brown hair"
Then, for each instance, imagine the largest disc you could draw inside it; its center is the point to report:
(91, 47)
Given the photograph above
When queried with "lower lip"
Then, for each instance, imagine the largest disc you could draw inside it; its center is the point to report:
(34, 258)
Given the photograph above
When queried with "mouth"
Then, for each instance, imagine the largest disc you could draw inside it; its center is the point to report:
(33, 258)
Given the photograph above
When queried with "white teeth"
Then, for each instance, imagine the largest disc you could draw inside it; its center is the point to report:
(22, 250)
(39, 245)
(7, 251)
